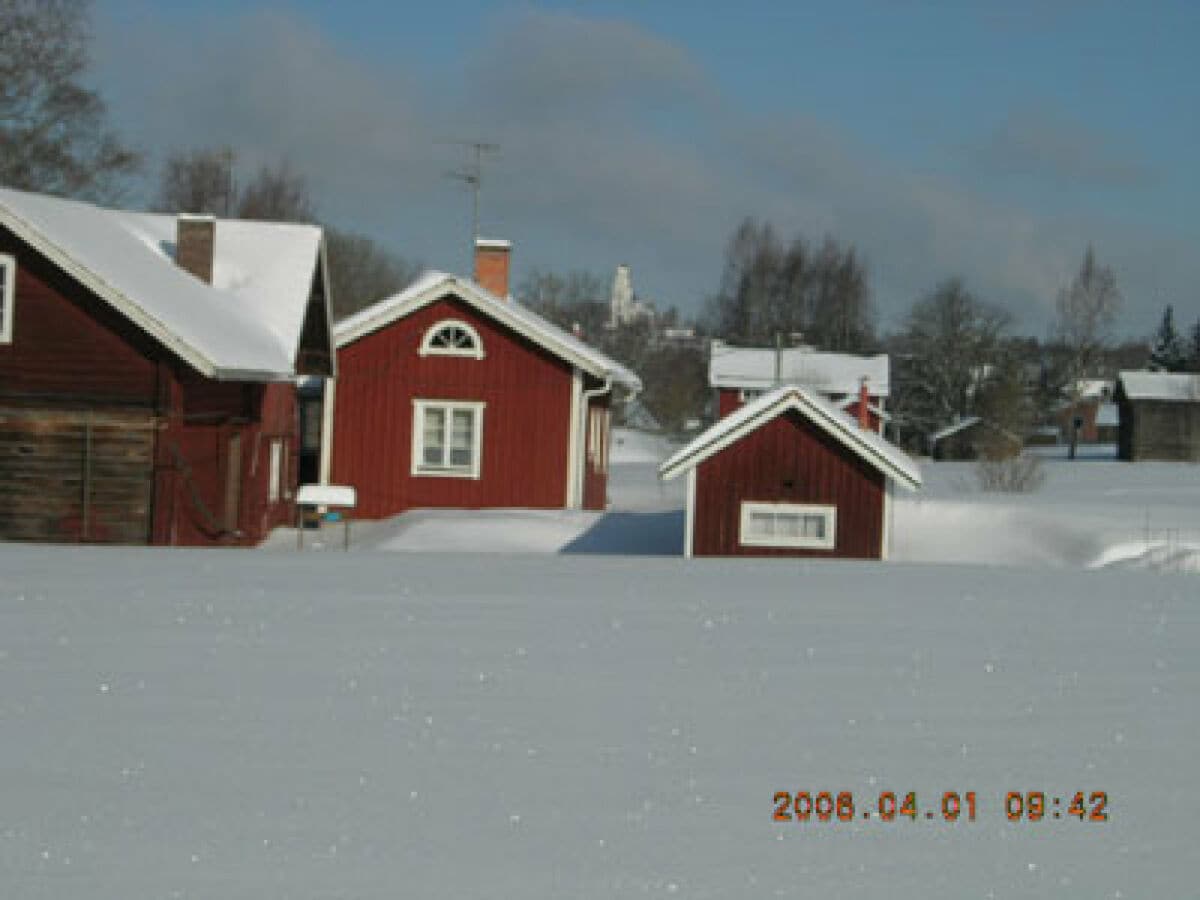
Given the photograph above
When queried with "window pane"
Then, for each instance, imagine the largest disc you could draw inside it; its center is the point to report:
(814, 526)
(461, 437)
(762, 524)
(435, 425)
(789, 525)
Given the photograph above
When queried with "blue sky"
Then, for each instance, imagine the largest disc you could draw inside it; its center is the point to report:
(991, 141)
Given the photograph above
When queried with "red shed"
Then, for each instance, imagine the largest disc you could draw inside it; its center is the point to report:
(789, 474)
(147, 372)
(448, 395)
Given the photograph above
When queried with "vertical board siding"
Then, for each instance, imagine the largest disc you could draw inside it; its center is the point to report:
(820, 470)
(75, 475)
(525, 422)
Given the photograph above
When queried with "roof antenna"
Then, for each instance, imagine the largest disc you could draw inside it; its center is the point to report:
(471, 174)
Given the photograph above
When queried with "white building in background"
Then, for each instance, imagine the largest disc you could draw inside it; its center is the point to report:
(624, 308)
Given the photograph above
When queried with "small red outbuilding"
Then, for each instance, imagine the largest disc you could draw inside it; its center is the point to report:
(789, 474)
(451, 394)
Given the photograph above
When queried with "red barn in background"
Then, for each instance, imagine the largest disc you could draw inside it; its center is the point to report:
(450, 394)
(147, 372)
(789, 474)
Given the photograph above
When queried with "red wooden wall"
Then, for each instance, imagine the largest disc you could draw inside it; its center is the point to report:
(72, 352)
(525, 422)
(788, 460)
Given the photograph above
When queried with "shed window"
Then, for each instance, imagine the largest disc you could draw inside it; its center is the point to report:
(788, 525)
(452, 337)
(748, 394)
(8, 289)
(447, 438)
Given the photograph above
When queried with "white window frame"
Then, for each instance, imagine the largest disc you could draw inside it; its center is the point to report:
(275, 470)
(473, 352)
(829, 542)
(8, 300)
(422, 469)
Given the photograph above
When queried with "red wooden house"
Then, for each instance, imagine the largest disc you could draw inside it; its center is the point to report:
(740, 374)
(147, 372)
(789, 474)
(450, 394)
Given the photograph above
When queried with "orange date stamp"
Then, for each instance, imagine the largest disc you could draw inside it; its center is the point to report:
(952, 806)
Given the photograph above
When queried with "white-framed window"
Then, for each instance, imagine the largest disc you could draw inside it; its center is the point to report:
(275, 471)
(447, 438)
(8, 294)
(806, 526)
(452, 337)
(748, 394)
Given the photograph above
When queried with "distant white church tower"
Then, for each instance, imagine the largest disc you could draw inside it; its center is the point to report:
(621, 300)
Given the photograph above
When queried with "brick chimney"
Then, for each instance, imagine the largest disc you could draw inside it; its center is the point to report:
(491, 266)
(195, 242)
(864, 406)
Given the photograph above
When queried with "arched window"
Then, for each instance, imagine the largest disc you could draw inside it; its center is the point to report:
(452, 337)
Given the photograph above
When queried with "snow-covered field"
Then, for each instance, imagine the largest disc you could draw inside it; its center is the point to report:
(208, 724)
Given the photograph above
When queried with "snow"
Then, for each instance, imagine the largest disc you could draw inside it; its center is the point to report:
(194, 724)
(876, 450)
(829, 373)
(1176, 386)
(433, 285)
(246, 324)
(954, 428)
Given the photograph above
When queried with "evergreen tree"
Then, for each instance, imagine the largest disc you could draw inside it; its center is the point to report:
(1193, 362)
(1169, 353)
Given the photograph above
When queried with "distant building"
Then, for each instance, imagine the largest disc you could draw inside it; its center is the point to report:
(624, 307)
(741, 374)
(1093, 417)
(1159, 415)
(789, 474)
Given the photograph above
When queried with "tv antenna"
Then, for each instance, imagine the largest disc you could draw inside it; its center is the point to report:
(471, 174)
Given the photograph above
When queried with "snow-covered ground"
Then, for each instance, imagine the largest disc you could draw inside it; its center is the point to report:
(1094, 512)
(539, 724)
(369, 725)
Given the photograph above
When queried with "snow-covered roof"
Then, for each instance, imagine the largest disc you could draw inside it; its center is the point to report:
(1093, 388)
(245, 325)
(866, 443)
(1176, 386)
(954, 428)
(827, 373)
(432, 286)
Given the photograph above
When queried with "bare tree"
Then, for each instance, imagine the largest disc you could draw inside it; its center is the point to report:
(277, 193)
(53, 135)
(573, 300)
(362, 272)
(770, 289)
(198, 181)
(946, 354)
(1086, 311)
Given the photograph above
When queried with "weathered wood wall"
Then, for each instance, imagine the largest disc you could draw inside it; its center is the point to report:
(76, 475)
(1158, 430)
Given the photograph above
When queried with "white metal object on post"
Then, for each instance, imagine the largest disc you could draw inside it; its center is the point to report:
(312, 496)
